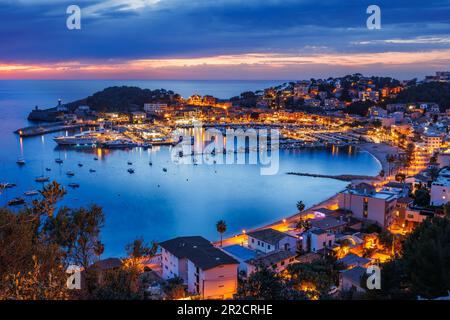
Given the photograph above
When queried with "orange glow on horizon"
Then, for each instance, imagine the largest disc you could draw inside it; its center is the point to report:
(171, 67)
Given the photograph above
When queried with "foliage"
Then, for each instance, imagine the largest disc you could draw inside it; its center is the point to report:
(221, 228)
(174, 289)
(427, 92)
(447, 210)
(300, 206)
(37, 245)
(426, 258)
(422, 197)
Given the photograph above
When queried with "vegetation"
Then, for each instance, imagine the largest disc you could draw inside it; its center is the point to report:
(300, 206)
(123, 99)
(37, 246)
(221, 227)
(427, 92)
(422, 268)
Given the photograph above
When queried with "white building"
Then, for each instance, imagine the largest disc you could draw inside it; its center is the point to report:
(433, 141)
(275, 260)
(155, 108)
(206, 270)
(268, 240)
(440, 189)
(317, 239)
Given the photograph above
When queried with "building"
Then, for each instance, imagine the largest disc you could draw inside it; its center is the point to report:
(275, 260)
(443, 159)
(352, 260)
(351, 280)
(268, 240)
(317, 239)
(206, 270)
(432, 140)
(367, 204)
(155, 108)
(440, 189)
(138, 116)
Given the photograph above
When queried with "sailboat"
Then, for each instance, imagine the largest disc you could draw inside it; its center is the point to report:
(21, 161)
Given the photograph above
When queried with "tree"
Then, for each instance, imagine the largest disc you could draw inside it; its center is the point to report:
(447, 210)
(303, 224)
(174, 289)
(138, 249)
(265, 284)
(426, 258)
(221, 228)
(300, 206)
(422, 197)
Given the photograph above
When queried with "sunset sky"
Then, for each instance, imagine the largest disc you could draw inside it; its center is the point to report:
(222, 39)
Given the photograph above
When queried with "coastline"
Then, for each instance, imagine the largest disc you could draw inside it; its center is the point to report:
(378, 151)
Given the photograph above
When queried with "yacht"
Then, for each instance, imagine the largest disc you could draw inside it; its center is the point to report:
(91, 170)
(74, 185)
(70, 173)
(119, 144)
(82, 139)
(16, 202)
(130, 170)
(59, 161)
(20, 161)
(42, 179)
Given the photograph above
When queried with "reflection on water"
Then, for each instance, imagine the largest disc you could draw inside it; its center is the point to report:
(185, 200)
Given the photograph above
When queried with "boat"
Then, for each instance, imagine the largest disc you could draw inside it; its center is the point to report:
(95, 159)
(31, 193)
(7, 185)
(20, 162)
(92, 170)
(16, 202)
(130, 163)
(70, 173)
(74, 185)
(165, 169)
(42, 179)
(82, 139)
(48, 169)
(130, 170)
(119, 144)
(59, 160)
(150, 163)
(80, 165)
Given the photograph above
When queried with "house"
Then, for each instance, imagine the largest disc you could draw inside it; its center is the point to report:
(440, 189)
(317, 239)
(155, 108)
(367, 204)
(276, 260)
(330, 223)
(351, 280)
(138, 116)
(352, 260)
(268, 240)
(206, 270)
(241, 254)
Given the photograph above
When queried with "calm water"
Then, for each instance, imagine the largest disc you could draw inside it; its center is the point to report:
(186, 200)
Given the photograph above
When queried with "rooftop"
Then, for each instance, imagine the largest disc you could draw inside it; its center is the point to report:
(198, 250)
(240, 252)
(355, 275)
(270, 236)
(272, 258)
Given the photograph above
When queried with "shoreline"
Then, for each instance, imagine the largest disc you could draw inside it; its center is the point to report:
(372, 148)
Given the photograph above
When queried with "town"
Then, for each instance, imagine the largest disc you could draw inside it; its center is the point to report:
(325, 249)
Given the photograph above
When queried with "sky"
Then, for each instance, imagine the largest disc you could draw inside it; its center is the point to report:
(222, 39)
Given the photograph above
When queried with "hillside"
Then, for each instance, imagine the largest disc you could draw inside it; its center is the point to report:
(122, 99)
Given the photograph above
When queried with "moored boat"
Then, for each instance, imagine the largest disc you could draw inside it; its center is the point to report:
(130, 170)
(21, 161)
(70, 173)
(42, 179)
(16, 202)
(31, 193)
(74, 185)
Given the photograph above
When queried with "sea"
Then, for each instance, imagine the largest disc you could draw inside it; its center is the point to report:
(153, 203)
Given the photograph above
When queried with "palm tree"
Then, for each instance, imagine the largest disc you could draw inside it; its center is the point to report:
(221, 227)
(300, 206)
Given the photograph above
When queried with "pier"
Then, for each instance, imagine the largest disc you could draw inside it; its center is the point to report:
(49, 128)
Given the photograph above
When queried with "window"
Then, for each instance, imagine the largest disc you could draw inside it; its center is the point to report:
(253, 240)
(268, 246)
(366, 208)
